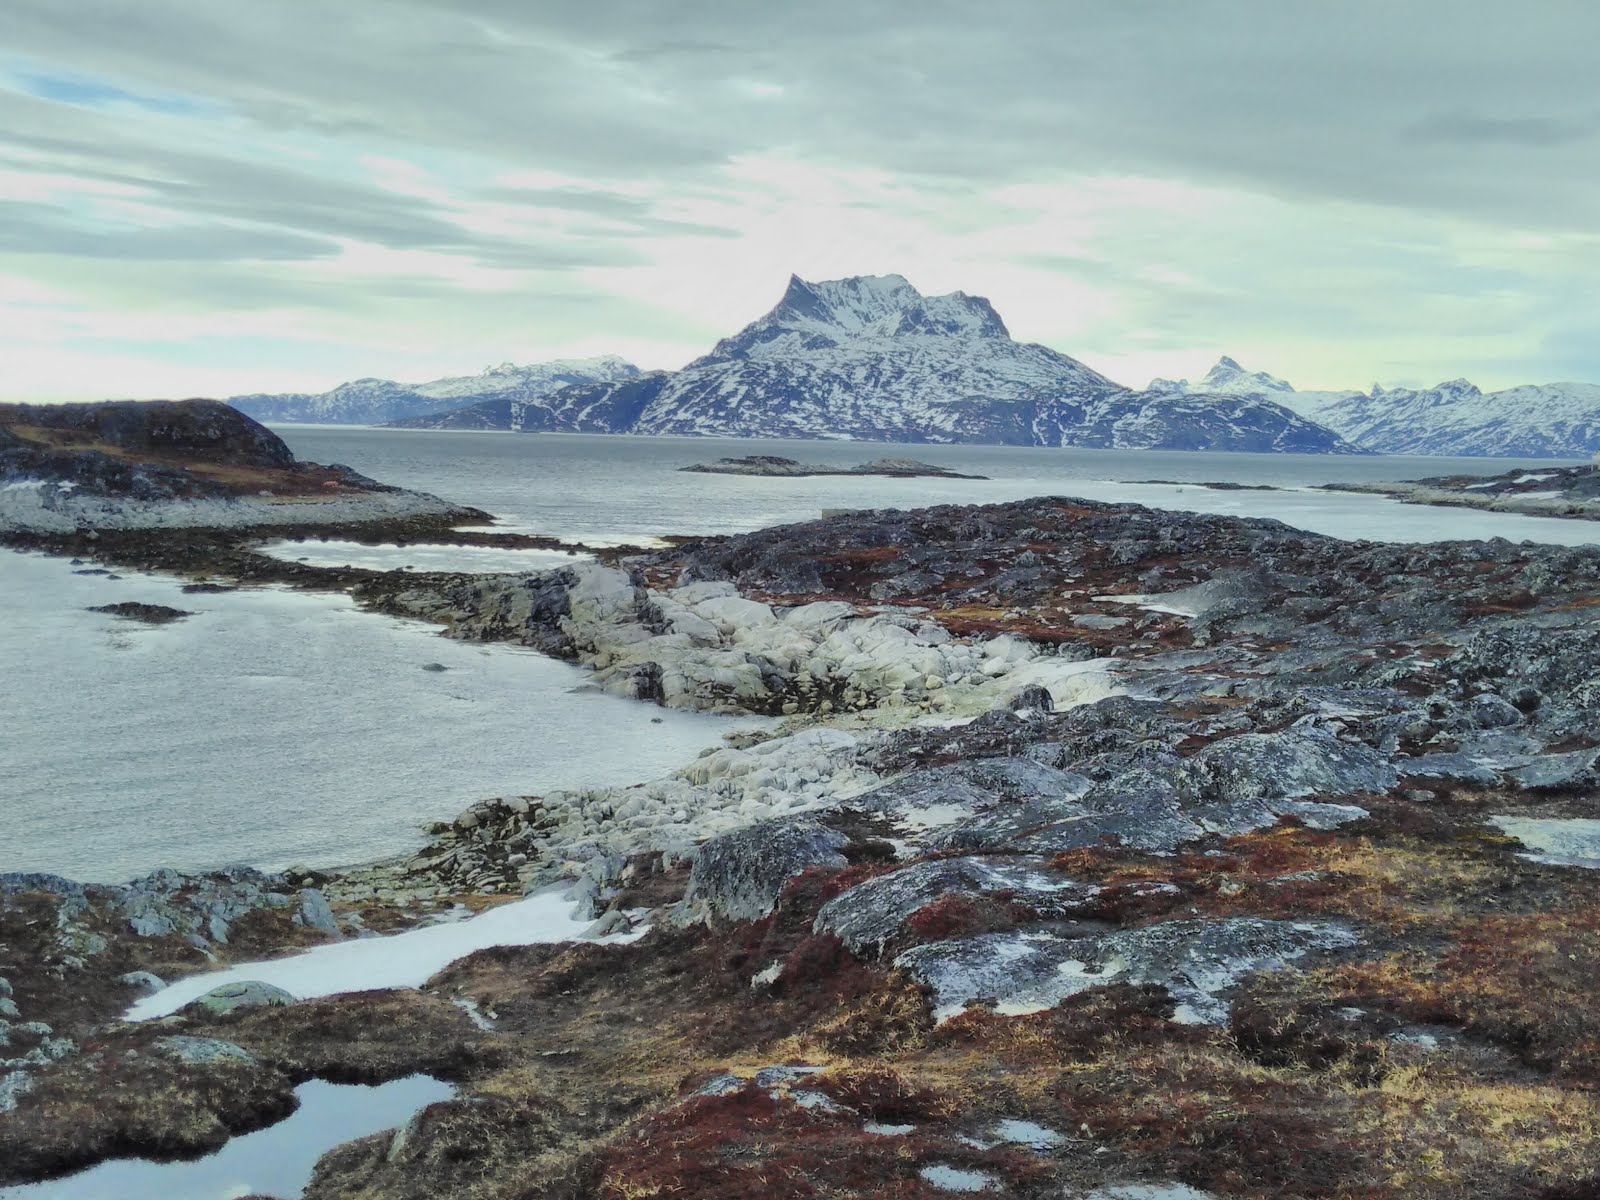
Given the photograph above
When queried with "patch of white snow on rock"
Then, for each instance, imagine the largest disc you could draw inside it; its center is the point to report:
(403, 960)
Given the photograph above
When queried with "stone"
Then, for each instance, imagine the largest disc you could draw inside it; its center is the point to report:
(1196, 961)
(232, 997)
(144, 983)
(197, 1051)
(872, 913)
(739, 876)
(315, 912)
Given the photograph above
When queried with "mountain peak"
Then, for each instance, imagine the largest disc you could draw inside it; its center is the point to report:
(1228, 375)
(1226, 378)
(830, 314)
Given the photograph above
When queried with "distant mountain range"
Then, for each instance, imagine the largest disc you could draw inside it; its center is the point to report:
(870, 358)
(867, 358)
(1555, 420)
(383, 401)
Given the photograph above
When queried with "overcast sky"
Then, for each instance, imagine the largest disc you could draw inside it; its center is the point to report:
(209, 196)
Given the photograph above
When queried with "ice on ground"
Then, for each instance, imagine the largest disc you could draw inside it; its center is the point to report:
(954, 1179)
(1557, 841)
(1153, 604)
(1025, 1133)
(275, 1161)
(1540, 477)
(403, 960)
(419, 556)
(1147, 1191)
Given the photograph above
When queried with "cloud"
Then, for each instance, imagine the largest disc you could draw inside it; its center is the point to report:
(1339, 191)
(1477, 130)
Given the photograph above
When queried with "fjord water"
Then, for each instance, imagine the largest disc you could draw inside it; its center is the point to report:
(275, 727)
(601, 488)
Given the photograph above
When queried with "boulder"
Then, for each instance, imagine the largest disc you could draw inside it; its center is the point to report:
(232, 997)
(739, 876)
(872, 913)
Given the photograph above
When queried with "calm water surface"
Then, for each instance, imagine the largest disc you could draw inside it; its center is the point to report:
(274, 727)
(607, 488)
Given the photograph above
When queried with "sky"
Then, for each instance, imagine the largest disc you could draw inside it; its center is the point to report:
(207, 197)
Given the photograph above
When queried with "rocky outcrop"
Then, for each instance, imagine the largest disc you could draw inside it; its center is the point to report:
(703, 645)
(66, 468)
(1196, 962)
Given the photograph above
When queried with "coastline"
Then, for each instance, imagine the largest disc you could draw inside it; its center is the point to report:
(1010, 734)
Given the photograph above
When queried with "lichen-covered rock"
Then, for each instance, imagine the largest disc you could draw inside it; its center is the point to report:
(232, 997)
(1196, 961)
(198, 1050)
(872, 913)
(1288, 765)
(739, 876)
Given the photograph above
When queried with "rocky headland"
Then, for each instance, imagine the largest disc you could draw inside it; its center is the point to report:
(778, 467)
(1094, 848)
(1546, 492)
(195, 464)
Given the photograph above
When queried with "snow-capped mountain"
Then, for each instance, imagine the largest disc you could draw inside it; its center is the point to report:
(871, 358)
(1556, 420)
(381, 401)
(1227, 378)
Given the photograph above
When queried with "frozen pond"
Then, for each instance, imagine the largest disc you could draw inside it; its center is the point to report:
(275, 1161)
(419, 556)
(276, 727)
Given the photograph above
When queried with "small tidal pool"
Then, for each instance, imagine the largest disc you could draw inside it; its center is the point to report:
(276, 1161)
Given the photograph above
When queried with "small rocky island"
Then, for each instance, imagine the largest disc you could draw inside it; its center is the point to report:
(773, 465)
(1094, 852)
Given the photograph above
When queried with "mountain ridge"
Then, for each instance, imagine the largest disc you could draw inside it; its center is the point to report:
(373, 401)
(871, 358)
(1452, 418)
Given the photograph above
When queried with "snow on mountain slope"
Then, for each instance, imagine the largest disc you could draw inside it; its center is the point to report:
(1555, 420)
(871, 358)
(381, 401)
(1228, 378)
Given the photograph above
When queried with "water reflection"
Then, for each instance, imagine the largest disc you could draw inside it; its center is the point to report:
(275, 1161)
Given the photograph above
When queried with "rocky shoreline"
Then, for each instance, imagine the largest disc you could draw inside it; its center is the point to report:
(1547, 492)
(1093, 847)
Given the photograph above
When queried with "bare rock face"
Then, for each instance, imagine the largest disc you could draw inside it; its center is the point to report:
(872, 913)
(1196, 961)
(739, 876)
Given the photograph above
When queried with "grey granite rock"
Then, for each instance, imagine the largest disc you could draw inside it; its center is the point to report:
(1196, 961)
(231, 997)
(196, 1051)
(739, 876)
(871, 913)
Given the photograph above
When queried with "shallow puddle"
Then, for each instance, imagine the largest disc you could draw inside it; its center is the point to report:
(276, 1161)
